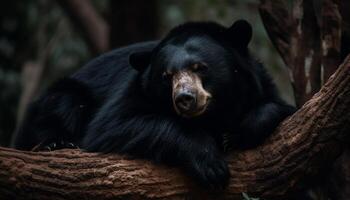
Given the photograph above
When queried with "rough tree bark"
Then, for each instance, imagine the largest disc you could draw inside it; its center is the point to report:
(308, 39)
(301, 147)
(312, 39)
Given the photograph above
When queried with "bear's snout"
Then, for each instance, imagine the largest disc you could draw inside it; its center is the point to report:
(190, 99)
(185, 101)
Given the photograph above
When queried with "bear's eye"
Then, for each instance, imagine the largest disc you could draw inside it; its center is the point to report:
(200, 67)
(166, 75)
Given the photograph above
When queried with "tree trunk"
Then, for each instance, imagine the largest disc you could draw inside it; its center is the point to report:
(132, 21)
(308, 39)
(93, 27)
(302, 147)
(32, 70)
(312, 39)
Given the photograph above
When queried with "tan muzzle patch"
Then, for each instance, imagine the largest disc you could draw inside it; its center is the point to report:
(190, 99)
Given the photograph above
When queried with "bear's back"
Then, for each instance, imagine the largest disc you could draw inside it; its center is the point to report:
(111, 69)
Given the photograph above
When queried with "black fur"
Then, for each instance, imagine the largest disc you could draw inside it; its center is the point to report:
(130, 111)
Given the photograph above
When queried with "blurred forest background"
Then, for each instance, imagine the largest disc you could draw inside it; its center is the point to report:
(41, 40)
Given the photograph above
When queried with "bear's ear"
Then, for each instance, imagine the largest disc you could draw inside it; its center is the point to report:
(240, 33)
(140, 60)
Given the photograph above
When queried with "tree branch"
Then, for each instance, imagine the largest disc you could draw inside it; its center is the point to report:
(331, 33)
(305, 51)
(318, 36)
(301, 147)
(277, 21)
(308, 39)
(93, 26)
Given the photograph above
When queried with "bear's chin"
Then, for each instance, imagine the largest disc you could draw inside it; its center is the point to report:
(199, 111)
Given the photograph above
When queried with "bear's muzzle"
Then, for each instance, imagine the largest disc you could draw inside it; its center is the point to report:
(190, 99)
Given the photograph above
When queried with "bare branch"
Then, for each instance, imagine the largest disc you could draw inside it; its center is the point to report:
(308, 40)
(276, 19)
(331, 33)
(92, 25)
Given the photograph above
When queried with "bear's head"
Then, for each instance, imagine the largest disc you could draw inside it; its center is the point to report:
(197, 68)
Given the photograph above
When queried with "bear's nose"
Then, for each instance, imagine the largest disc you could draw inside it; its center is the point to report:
(185, 101)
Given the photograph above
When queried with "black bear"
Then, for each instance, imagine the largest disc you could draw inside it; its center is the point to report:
(174, 101)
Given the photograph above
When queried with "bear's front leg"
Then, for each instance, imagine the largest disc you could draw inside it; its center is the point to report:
(260, 122)
(196, 153)
(161, 140)
(206, 164)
